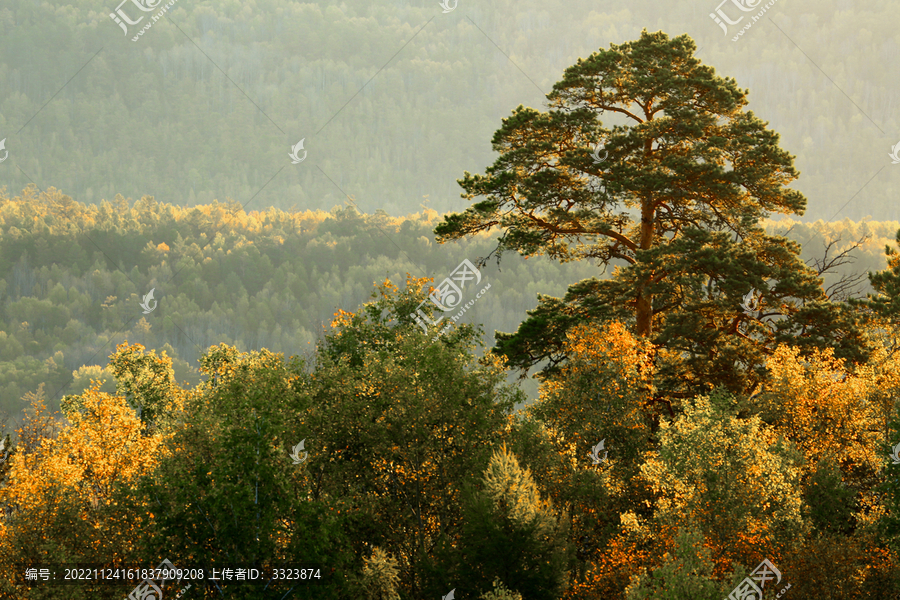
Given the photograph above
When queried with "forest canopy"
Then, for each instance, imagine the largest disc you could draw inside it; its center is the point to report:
(260, 279)
(714, 409)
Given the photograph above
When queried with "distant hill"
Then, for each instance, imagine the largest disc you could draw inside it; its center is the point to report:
(395, 101)
(73, 277)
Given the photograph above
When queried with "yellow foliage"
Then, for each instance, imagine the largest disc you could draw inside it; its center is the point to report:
(607, 382)
(826, 410)
(342, 318)
(102, 447)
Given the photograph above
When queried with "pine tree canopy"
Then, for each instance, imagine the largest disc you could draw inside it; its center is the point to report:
(671, 195)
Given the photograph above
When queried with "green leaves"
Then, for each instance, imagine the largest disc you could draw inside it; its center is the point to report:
(229, 494)
(731, 477)
(830, 500)
(403, 422)
(510, 533)
(146, 381)
(685, 574)
(675, 207)
(889, 487)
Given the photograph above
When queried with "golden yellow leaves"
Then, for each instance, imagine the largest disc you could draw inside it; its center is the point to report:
(101, 447)
(342, 318)
(729, 476)
(823, 408)
(609, 376)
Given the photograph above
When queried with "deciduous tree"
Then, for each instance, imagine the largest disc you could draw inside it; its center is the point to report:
(70, 497)
(736, 479)
(400, 420)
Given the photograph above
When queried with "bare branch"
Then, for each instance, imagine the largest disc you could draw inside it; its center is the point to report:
(847, 285)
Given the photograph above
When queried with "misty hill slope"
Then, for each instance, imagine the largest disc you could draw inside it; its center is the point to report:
(73, 277)
(394, 102)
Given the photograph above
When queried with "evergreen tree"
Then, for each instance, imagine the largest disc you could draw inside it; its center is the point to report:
(380, 577)
(673, 199)
(883, 306)
(889, 488)
(510, 533)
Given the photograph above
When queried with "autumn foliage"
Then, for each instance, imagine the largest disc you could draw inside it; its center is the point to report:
(420, 478)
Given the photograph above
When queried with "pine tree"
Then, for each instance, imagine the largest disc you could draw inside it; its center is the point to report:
(512, 534)
(676, 196)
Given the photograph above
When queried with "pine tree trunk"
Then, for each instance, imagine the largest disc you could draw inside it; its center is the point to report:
(644, 306)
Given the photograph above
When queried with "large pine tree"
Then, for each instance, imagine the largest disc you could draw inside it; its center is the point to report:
(671, 195)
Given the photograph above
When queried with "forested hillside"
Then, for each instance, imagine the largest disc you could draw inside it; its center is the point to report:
(631, 362)
(72, 277)
(209, 105)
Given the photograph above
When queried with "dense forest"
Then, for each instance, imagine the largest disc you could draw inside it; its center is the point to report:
(332, 399)
(72, 277)
(398, 96)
